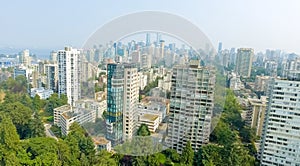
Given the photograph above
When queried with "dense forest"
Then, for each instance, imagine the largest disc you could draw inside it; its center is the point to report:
(23, 140)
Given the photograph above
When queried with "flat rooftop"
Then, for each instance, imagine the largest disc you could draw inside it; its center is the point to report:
(100, 140)
(149, 117)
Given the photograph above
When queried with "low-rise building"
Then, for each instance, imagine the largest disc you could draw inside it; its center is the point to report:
(43, 93)
(101, 143)
(57, 112)
(66, 115)
(155, 108)
(79, 115)
(151, 120)
(153, 104)
(99, 107)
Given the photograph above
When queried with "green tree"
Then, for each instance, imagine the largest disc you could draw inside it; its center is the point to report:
(172, 154)
(209, 155)
(55, 101)
(20, 116)
(38, 103)
(42, 150)
(223, 135)
(81, 144)
(9, 142)
(17, 85)
(64, 153)
(187, 155)
(105, 158)
(143, 130)
(35, 127)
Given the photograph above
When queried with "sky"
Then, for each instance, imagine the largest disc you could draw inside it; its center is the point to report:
(36, 24)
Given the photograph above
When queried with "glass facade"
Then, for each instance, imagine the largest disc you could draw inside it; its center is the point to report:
(115, 89)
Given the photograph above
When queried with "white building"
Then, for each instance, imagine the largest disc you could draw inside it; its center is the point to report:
(235, 82)
(164, 84)
(25, 58)
(99, 107)
(43, 93)
(281, 134)
(57, 112)
(65, 116)
(143, 80)
(151, 120)
(130, 101)
(69, 73)
(150, 106)
(191, 106)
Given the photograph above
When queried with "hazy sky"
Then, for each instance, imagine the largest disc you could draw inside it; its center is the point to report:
(260, 24)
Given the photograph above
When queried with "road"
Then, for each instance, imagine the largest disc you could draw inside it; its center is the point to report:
(49, 132)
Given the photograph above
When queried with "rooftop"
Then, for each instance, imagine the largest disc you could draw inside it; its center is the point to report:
(63, 108)
(149, 117)
(100, 140)
(75, 112)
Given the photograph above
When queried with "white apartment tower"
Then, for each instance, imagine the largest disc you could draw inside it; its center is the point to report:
(191, 106)
(280, 143)
(131, 98)
(69, 73)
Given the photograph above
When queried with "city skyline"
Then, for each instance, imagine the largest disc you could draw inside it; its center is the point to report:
(47, 25)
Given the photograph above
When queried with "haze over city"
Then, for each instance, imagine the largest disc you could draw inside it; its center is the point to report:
(49, 25)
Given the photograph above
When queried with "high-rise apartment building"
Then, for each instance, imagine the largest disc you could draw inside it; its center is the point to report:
(280, 143)
(244, 58)
(51, 71)
(25, 58)
(53, 56)
(122, 100)
(255, 114)
(69, 72)
(191, 105)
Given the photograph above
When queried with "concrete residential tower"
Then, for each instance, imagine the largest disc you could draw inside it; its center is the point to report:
(281, 134)
(244, 58)
(191, 105)
(69, 73)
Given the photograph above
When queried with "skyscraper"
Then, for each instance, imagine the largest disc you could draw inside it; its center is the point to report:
(25, 58)
(148, 42)
(244, 60)
(280, 143)
(192, 94)
(69, 73)
(220, 47)
(52, 76)
(122, 100)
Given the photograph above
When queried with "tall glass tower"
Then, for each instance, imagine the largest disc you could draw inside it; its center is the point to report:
(122, 100)
(115, 89)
